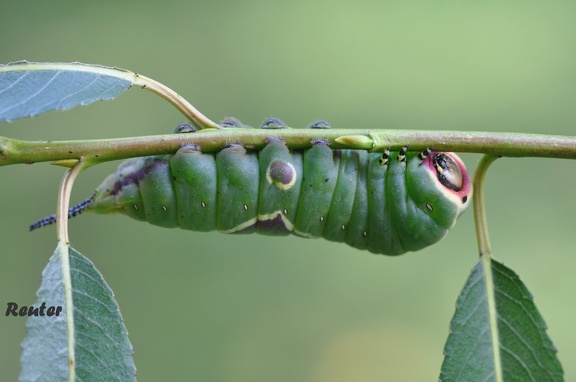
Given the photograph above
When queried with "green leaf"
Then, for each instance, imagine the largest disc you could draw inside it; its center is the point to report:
(44, 355)
(89, 344)
(28, 89)
(497, 334)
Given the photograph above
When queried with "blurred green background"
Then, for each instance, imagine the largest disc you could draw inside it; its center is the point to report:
(211, 307)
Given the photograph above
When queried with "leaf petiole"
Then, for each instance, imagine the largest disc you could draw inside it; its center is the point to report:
(480, 222)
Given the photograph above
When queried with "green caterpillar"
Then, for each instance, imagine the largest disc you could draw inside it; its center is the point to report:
(385, 203)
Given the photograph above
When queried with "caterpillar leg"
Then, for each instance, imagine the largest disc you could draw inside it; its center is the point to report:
(184, 128)
(385, 156)
(402, 154)
(424, 154)
(321, 124)
(273, 123)
(231, 122)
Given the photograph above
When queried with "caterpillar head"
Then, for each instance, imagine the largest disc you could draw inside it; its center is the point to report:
(436, 190)
(440, 187)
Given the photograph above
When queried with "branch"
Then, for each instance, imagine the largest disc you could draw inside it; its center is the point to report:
(14, 151)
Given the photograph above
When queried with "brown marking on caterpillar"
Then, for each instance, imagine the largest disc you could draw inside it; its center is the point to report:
(134, 177)
(282, 174)
(276, 224)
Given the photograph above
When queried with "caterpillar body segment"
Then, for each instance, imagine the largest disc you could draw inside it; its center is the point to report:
(194, 185)
(280, 187)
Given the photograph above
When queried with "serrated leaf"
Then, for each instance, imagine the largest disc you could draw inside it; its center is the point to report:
(92, 342)
(497, 333)
(28, 89)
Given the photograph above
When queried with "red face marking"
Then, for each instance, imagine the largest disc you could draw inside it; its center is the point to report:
(451, 172)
